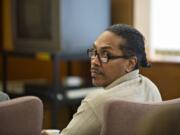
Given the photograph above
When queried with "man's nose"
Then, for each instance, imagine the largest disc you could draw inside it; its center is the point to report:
(95, 61)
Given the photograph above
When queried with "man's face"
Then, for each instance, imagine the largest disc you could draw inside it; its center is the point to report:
(105, 73)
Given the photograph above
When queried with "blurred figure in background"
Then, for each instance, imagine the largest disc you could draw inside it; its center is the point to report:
(116, 57)
(3, 96)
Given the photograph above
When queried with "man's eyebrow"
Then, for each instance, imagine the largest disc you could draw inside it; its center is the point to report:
(106, 47)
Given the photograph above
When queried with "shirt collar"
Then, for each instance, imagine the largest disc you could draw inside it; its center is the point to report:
(129, 76)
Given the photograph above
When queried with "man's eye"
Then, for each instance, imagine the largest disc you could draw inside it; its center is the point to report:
(109, 54)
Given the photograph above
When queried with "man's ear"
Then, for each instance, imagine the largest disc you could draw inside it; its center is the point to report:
(132, 63)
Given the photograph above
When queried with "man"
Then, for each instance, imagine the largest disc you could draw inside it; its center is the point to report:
(116, 56)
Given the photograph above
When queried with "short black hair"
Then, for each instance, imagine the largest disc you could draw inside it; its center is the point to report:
(134, 43)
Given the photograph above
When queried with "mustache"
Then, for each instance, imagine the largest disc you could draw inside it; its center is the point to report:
(96, 70)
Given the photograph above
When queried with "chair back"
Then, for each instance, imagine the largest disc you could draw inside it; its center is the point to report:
(163, 121)
(21, 116)
(123, 117)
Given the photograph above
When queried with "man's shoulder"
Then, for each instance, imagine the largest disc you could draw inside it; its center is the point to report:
(151, 89)
(96, 98)
(94, 95)
(148, 83)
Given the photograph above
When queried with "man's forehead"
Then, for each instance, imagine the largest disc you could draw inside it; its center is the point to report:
(104, 45)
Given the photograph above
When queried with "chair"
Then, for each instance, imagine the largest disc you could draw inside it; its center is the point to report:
(21, 116)
(163, 121)
(124, 117)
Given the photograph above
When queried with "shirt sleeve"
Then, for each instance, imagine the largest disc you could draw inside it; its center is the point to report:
(84, 122)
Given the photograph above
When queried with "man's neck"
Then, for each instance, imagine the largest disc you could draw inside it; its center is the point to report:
(129, 76)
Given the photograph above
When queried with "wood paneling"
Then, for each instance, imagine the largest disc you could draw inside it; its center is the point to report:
(1, 26)
(167, 77)
(6, 21)
(122, 11)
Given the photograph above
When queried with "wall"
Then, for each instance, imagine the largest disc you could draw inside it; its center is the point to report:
(166, 76)
(31, 68)
(122, 11)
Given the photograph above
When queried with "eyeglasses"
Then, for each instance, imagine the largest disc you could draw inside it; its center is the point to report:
(103, 56)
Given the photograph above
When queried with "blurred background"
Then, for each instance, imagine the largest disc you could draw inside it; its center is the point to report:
(43, 48)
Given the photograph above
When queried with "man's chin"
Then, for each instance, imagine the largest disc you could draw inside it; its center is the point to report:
(97, 83)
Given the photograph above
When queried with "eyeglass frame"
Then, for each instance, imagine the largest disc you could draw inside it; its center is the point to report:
(108, 56)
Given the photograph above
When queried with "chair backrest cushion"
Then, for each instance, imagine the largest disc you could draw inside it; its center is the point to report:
(123, 117)
(163, 121)
(21, 116)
